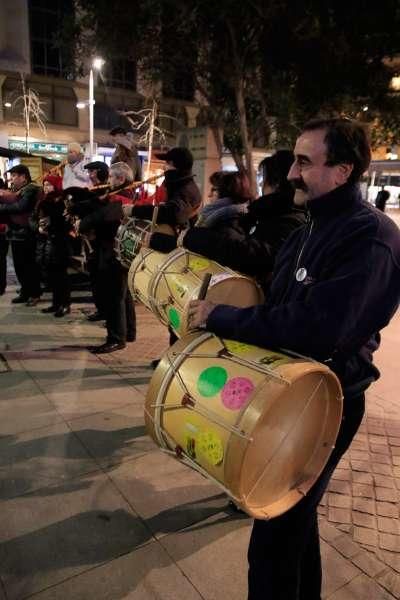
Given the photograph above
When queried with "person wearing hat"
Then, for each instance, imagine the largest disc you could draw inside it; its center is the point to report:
(125, 151)
(183, 195)
(74, 171)
(98, 173)
(17, 207)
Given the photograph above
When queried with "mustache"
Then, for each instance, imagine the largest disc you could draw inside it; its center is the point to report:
(298, 184)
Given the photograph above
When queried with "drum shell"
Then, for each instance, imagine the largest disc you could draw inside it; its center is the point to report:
(178, 280)
(129, 238)
(274, 445)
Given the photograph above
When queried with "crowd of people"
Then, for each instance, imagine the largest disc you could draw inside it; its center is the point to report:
(329, 264)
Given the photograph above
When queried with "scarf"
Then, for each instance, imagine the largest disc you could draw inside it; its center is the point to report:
(220, 210)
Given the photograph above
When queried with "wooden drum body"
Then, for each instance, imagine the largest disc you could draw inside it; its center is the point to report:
(261, 424)
(177, 280)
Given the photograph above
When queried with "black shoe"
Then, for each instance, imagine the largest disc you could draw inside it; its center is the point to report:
(33, 301)
(19, 300)
(62, 311)
(154, 363)
(49, 309)
(107, 348)
(130, 338)
(96, 316)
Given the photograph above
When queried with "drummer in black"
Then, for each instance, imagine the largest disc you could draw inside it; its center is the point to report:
(336, 284)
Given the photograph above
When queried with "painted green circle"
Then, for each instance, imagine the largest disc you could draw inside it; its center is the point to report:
(211, 381)
(174, 318)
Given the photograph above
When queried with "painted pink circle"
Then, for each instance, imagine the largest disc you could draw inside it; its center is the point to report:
(236, 392)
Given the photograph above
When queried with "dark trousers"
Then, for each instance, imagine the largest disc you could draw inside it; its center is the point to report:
(3, 263)
(284, 553)
(59, 284)
(96, 285)
(118, 305)
(26, 268)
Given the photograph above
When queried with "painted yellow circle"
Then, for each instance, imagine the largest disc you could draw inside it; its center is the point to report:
(210, 446)
(198, 263)
(237, 347)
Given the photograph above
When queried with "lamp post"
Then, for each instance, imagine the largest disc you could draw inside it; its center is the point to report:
(97, 63)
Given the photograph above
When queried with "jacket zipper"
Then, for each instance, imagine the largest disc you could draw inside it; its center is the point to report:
(310, 224)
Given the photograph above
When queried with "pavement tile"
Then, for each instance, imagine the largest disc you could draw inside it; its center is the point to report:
(384, 481)
(206, 552)
(339, 515)
(361, 490)
(361, 465)
(345, 528)
(389, 558)
(361, 588)
(365, 535)
(339, 487)
(388, 525)
(379, 449)
(363, 519)
(58, 532)
(359, 477)
(358, 455)
(368, 563)
(22, 414)
(388, 541)
(72, 405)
(381, 459)
(339, 573)
(394, 441)
(346, 546)
(167, 494)
(115, 436)
(342, 475)
(339, 500)
(386, 494)
(391, 582)
(148, 573)
(387, 509)
(51, 452)
(364, 505)
(327, 531)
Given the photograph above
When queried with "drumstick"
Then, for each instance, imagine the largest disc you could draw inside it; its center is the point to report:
(154, 219)
(204, 286)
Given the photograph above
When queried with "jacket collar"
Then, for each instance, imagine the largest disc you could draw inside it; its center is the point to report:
(338, 200)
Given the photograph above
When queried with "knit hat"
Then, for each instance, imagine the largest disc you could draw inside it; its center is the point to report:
(74, 147)
(55, 181)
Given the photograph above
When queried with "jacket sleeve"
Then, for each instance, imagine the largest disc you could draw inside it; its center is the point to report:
(96, 218)
(243, 253)
(24, 204)
(340, 312)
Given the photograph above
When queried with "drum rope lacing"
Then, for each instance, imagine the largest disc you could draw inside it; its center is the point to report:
(257, 482)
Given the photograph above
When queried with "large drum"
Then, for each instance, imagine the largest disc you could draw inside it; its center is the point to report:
(261, 424)
(167, 283)
(129, 238)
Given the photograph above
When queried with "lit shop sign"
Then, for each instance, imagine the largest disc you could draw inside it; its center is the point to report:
(42, 147)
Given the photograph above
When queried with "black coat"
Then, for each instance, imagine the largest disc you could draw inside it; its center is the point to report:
(104, 222)
(336, 284)
(183, 201)
(53, 249)
(251, 244)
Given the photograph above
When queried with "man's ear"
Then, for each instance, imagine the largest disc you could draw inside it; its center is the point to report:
(344, 171)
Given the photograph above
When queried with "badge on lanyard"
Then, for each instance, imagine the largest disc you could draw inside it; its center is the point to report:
(301, 274)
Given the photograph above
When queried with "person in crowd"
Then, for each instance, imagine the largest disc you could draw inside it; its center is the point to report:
(16, 207)
(3, 258)
(98, 173)
(381, 198)
(75, 174)
(125, 151)
(183, 196)
(336, 284)
(109, 276)
(252, 246)
(55, 229)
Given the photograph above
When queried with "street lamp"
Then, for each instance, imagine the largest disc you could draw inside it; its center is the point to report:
(97, 63)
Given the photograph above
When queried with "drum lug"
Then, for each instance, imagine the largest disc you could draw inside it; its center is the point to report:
(178, 451)
(170, 300)
(187, 400)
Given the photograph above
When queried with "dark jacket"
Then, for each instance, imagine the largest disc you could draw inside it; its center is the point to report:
(104, 222)
(53, 248)
(19, 211)
(183, 201)
(251, 246)
(130, 157)
(347, 261)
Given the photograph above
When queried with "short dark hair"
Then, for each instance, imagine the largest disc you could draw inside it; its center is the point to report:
(21, 170)
(275, 170)
(347, 141)
(234, 185)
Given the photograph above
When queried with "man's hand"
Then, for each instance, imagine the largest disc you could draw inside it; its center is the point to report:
(198, 313)
(127, 210)
(146, 239)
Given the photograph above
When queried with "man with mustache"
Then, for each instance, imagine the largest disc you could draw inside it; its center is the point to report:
(336, 285)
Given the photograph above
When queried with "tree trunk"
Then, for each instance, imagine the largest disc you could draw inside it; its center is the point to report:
(244, 132)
